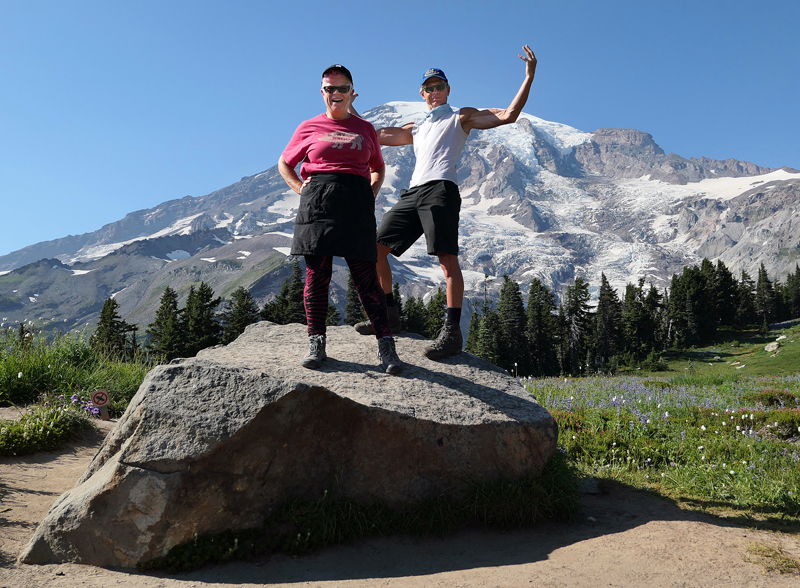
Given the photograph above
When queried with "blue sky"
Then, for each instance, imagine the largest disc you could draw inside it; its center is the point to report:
(111, 107)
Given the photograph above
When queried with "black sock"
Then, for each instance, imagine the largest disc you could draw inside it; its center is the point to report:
(453, 315)
(389, 299)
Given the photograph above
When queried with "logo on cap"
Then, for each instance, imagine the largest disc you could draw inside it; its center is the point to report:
(433, 72)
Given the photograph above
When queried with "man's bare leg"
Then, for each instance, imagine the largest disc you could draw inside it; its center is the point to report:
(453, 279)
(385, 270)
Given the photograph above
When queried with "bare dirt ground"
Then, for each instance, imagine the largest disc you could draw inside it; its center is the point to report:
(623, 538)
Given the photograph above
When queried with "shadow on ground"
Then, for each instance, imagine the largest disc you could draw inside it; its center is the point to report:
(615, 510)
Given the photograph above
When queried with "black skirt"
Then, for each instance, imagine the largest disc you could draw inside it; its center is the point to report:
(337, 218)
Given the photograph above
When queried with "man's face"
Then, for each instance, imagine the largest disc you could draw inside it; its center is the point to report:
(436, 97)
(337, 102)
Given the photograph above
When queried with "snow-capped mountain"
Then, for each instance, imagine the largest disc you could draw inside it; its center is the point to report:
(539, 199)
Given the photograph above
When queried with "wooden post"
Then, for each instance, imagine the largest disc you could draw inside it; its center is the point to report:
(100, 399)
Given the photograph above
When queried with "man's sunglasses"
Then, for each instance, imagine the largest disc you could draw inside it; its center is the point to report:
(437, 87)
(340, 89)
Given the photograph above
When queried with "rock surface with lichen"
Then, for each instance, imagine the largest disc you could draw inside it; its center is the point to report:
(220, 441)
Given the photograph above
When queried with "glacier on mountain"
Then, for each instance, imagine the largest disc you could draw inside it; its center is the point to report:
(539, 200)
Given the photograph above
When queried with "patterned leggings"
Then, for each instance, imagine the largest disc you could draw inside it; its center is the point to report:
(319, 269)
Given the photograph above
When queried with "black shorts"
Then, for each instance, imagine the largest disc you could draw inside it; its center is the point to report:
(336, 216)
(431, 209)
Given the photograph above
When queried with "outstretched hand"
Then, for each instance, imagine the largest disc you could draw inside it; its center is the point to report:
(530, 61)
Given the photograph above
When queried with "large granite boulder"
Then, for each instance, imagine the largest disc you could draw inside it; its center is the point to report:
(220, 441)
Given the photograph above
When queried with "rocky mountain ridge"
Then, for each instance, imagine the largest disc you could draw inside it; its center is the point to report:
(539, 199)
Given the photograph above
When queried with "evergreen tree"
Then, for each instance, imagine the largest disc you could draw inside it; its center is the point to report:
(513, 351)
(415, 316)
(576, 311)
(765, 298)
(277, 310)
(664, 324)
(654, 341)
(199, 323)
(709, 296)
(676, 311)
(111, 333)
(779, 312)
(607, 323)
(640, 320)
(288, 306)
(792, 294)
(746, 305)
(240, 311)
(489, 334)
(703, 317)
(471, 344)
(542, 330)
(353, 311)
(563, 339)
(435, 311)
(690, 306)
(165, 336)
(725, 295)
(295, 311)
(334, 317)
(398, 303)
(398, 300)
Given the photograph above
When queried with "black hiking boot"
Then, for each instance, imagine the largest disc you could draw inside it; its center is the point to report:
(387, 354)
(448, 342)
(365, 328)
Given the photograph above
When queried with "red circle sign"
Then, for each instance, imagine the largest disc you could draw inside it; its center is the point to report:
(100, 398)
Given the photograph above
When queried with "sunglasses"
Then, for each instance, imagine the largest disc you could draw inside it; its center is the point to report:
(340, 89)
(437, 87)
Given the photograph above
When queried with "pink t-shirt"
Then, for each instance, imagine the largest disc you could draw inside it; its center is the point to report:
(326, 145)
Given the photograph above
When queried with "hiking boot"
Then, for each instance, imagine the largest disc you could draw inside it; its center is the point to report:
(365, 328)
(388, 356)
(316, 352)
(448, 342)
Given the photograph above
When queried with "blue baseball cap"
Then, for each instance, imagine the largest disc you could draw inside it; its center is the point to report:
(432, 73)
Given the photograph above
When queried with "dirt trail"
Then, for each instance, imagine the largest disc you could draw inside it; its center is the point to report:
(623, 538)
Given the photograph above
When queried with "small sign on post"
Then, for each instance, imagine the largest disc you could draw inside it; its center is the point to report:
(100, 399)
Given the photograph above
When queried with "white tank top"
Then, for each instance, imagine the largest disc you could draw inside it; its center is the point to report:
(437, 145)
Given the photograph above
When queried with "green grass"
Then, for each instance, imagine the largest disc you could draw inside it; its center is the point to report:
(46, 425)
(32, 364)
(722, 446)
(44, 376)
(734, 350)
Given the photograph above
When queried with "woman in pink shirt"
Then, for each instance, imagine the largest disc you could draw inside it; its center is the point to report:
(342, 171)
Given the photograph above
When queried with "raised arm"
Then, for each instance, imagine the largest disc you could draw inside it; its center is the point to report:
(396, 136)
(472, 118)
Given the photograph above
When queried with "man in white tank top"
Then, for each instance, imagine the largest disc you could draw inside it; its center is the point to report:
(431, 204)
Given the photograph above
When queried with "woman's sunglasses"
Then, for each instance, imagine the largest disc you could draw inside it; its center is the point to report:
(332, 89)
